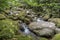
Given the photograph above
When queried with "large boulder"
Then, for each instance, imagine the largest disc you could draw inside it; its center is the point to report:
(43, 28)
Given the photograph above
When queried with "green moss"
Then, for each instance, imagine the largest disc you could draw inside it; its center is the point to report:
(25, 38)
(43, 38)
(22, 37)
(56, 37)
(7, 28)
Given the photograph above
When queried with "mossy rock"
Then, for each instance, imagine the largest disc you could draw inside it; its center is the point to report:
(56, 21)
(14, 17)
(46, 17)
(56, 37)
(22, 14)
(7, 11)
(7, 29)
(2, 16)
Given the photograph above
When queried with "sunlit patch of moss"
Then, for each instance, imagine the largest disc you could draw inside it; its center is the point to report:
(56, 37)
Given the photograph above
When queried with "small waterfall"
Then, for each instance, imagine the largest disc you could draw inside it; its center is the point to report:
(25, 28)
(27, 31)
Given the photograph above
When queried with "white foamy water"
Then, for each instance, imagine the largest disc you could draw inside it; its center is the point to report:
(26, 30)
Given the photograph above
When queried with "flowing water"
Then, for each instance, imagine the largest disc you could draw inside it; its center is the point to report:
(27, 31)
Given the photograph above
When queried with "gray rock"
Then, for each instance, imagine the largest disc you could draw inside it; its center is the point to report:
(43, 28)
(39, 25)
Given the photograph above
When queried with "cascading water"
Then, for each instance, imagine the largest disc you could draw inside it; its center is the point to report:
(24, 28)
(27, 31)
